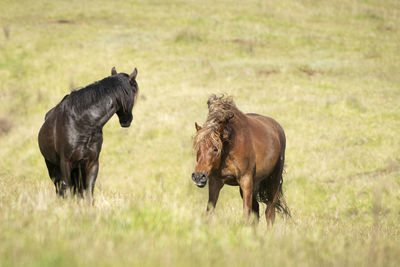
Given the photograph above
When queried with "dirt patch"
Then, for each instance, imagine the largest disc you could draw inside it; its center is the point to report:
(6, 31)
(65, 21)
(268, 72)
(392, 167)
(5, 126)
(310, 71)
(243, 42)
(188, 37)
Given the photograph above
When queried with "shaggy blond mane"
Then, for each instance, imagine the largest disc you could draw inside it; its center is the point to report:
(220, 111)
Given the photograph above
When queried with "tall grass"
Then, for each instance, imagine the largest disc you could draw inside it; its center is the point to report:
(328, 71)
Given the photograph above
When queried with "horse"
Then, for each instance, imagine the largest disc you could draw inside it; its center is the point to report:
(71, 136)
(245, 150)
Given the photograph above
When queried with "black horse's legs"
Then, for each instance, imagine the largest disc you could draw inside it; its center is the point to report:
(75, 181)
(255, 206)
(55, 174)
(78, 179)
(82, 179)
(91, 171)
(214, 187)
(66, 177)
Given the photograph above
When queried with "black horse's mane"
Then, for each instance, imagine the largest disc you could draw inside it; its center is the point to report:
(116, 86)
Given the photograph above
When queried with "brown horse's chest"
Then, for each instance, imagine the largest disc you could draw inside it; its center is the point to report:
(229, 172)
(230, 181)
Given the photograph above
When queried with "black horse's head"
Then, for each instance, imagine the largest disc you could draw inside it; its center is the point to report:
(124, 110)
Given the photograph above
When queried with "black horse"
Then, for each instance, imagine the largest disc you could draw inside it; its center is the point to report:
(71, 136)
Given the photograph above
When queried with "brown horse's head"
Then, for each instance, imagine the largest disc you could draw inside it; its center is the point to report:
(210, 139)
(208, 144)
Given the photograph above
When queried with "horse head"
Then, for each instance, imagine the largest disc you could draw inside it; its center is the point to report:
(124, 111)
(209, 143)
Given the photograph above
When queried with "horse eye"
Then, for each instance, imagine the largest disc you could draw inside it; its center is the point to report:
(215, 149)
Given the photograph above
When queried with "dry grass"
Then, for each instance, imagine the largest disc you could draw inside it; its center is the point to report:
(327, 71)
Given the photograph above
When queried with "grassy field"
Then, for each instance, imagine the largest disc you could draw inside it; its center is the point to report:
(328, 71)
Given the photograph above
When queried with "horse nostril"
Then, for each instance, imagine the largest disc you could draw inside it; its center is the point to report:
(192, 175)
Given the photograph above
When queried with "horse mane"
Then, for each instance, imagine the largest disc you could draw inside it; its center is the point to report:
(116, 86)
(51, 110)
(220, 111)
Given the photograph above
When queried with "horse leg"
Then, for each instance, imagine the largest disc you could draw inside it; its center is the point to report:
(246, 185)
(55, 174)
(255, 206)
(270, 210)
(214, 187)
(91, 170)
(270, 214)
(65, 177)
(256, 209)
(274, 191)
(82, 179)
(75, 180)
(78, 179)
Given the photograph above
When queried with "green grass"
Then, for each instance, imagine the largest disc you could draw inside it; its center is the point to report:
(328, 71)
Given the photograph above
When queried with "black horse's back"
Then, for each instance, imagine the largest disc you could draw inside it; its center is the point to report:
(48, 113)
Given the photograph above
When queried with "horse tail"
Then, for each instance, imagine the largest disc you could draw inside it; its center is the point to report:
(281, 205)
(270, 189)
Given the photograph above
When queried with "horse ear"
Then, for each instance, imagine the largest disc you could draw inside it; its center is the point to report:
(133, 75)
(198, 127)
(113, 71)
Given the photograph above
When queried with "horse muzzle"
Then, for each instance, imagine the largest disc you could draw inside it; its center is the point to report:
(199, 179)
(125, 124)
(125, 120)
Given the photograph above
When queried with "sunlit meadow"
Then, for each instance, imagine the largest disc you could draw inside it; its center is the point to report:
(328, 71)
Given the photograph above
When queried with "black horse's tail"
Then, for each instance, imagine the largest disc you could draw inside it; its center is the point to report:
(270, 189)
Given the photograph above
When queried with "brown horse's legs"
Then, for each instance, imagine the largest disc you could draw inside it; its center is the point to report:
(65, 177)
(256, 208)
(214, 187)
(270, 210)
(92, 168)
(246, 184)
(270, 214)
(255, 205)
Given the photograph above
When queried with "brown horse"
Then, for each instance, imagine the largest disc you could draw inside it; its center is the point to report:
(246, 150)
